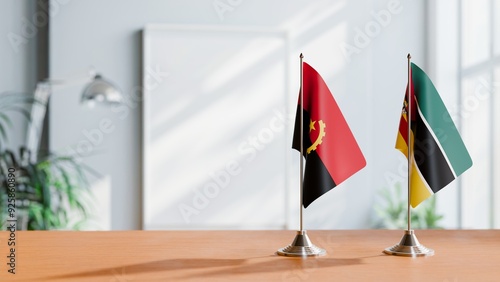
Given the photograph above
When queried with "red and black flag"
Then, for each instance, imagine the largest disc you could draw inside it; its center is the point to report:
(332, 154)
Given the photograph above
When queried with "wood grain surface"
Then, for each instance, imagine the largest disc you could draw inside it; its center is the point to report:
(353, 255)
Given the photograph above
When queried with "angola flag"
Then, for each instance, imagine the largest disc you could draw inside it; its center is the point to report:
(330, 150)
(438, 152)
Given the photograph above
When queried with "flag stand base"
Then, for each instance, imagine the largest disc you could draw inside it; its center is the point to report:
(409, 247)
(301, 247)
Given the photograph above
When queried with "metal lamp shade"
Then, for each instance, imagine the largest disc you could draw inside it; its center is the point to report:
(102, 91)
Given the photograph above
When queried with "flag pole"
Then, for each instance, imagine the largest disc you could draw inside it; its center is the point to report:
(301, 206)
(301, 245)
(408, 117)
(409, 246)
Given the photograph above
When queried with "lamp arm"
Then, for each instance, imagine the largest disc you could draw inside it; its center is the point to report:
(54, 82)
(38, 111)
(42, 94)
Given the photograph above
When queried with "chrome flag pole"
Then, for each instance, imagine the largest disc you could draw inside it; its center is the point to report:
(301, 245)
(409, 245)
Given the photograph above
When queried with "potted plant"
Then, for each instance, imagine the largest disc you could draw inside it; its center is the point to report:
(50, 193)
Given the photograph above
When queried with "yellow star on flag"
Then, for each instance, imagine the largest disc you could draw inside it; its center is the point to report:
(311, 125)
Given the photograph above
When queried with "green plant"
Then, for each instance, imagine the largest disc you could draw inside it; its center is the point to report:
(392, 214)
(53, 191)
(47, 189)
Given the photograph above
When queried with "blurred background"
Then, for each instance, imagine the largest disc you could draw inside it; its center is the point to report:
(200, 136)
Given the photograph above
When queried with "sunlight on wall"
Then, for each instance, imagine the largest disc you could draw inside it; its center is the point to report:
(477, 181)
(205, 169)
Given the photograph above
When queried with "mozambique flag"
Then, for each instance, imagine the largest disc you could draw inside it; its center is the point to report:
(438, 154)
(330, 150)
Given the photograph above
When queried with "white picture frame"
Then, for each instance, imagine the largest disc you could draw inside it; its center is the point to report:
(216, 127)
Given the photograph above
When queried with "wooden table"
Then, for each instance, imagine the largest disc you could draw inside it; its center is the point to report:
(461, 255)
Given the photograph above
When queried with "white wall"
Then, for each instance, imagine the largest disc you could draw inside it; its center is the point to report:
(468, 90)
(369, 86)
(17, 57)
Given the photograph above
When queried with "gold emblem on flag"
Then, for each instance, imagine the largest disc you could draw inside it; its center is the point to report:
(322, 133)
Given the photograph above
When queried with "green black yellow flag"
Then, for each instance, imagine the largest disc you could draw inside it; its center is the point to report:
(438, 152)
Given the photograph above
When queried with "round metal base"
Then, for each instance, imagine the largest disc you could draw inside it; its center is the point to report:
(409, 247)
(301, 247)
